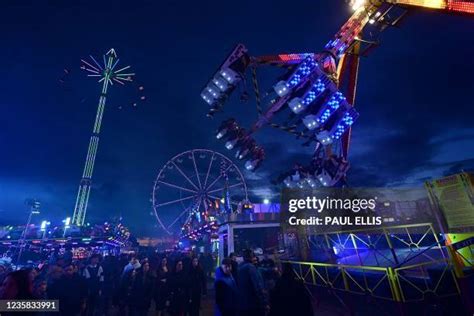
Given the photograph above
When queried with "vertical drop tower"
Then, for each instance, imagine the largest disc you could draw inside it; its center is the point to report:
(107, 75)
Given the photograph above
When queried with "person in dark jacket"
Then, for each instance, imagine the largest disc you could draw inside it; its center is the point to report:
(124, 290)
(111, 276)
(40, 289)
(269, 271)
(226, 290)
(141, 291)
(161, 291)
(290, 297)
(40, 292)
(252, 297)
(71, 291)
(179, 290)
(207, 263)
(235, 265)
(17, 285)
(94, 275)
(198, 287)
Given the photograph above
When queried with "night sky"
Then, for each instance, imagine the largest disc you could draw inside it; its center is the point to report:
(414, 97)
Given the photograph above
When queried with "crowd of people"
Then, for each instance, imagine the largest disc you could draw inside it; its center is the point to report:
(159, 284)
(259, 288)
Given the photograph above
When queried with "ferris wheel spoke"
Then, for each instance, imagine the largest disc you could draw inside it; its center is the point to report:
(209, 169)
(230, 186)
(196, 170)
(175, 201)
(218, 178)
(174, 186)
(177, 218)
(162, 225)
(184, 175)
(188, 218)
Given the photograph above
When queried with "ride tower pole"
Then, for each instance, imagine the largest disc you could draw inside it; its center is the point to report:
(107, 76)
(347, 75)
(34, 209)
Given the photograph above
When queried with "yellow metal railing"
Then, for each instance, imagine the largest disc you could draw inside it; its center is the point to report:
(404, 284)
(381, 246)
(424, 268)
(415, 281)
(353, 279)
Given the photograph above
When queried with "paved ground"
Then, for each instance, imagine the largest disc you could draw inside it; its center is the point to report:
(324, 307)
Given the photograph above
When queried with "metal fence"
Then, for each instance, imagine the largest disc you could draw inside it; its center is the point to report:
(400, 263)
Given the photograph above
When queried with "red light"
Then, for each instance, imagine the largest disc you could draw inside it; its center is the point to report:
(288, 57)
(292, 57)
(461, 6)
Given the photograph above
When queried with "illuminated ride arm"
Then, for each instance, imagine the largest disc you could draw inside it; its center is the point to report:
(314, 87)
(466, 6)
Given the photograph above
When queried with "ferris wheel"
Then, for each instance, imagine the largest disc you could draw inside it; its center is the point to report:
(195, 186)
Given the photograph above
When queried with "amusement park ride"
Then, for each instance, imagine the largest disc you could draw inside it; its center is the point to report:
(107, 73)
(212, 184)
(314, 99)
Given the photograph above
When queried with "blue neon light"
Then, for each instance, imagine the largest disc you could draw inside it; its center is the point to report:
(343, 124)
(316, 90)
(304, 69)
(332, 43)
(336, 100)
